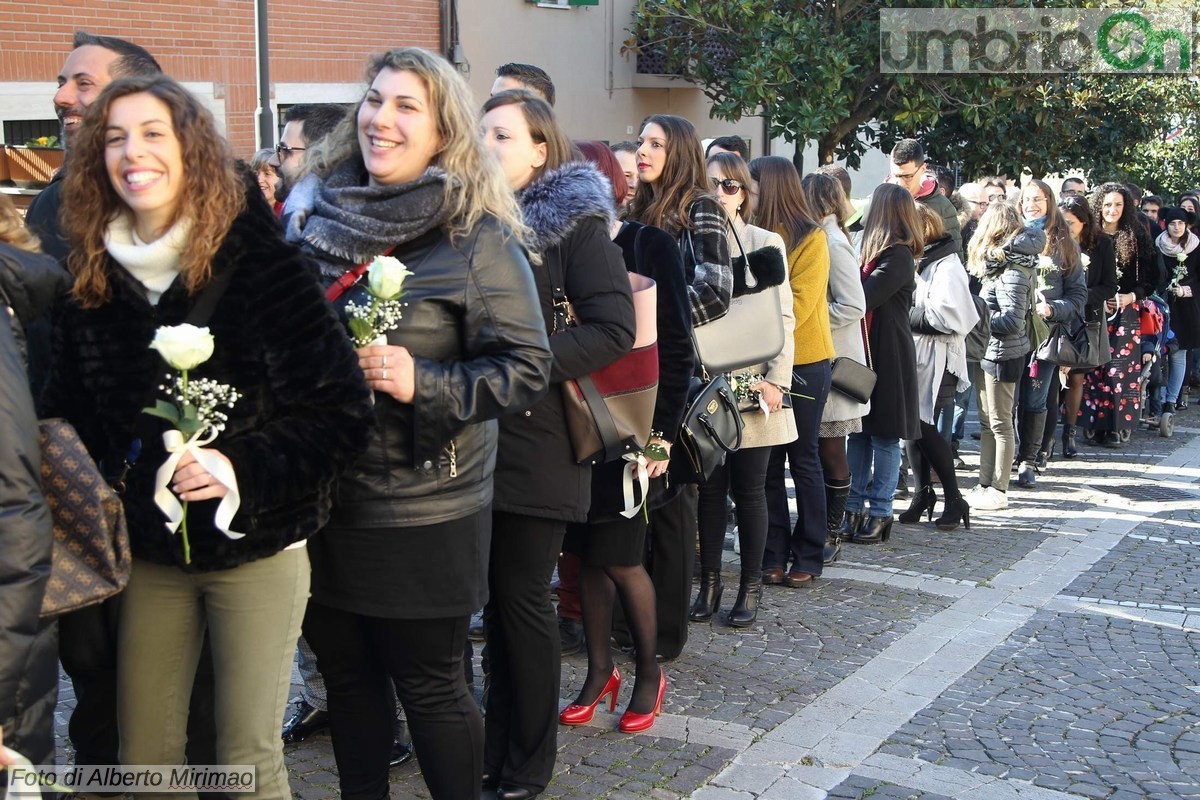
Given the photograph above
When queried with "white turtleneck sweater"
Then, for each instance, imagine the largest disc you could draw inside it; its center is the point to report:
(154, 264)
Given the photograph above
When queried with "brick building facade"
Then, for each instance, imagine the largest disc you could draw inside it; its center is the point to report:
(317, 50)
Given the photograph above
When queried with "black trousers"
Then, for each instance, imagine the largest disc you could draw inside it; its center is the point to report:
(744, 474)
(670, 556)
(424, 658)
(87, 647)
(524, 652)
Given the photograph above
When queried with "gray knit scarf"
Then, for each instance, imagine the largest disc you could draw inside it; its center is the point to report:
(351, 222)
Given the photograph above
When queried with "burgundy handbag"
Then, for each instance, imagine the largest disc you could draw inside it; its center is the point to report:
(610, 412)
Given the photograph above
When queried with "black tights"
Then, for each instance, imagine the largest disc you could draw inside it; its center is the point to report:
(598, 590)
(833, 458)
(932, 451)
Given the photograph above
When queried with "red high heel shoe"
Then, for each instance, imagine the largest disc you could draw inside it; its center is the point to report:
(632, 722)
(580, 714)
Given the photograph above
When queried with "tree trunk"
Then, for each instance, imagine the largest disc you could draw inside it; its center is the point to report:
(798, 158)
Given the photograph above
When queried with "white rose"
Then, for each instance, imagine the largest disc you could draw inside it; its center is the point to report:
(1045, 262)
(385, 277)
(1087, 260)
(183, 346)
(1182, 257)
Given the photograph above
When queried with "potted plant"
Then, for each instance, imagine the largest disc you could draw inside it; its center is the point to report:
(33, 164)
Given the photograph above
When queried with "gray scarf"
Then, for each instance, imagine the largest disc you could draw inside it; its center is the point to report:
(347, 221)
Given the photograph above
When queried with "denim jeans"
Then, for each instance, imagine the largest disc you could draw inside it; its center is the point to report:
(804, 541)
(1034, 390)
(877, 485)
(1176, 366)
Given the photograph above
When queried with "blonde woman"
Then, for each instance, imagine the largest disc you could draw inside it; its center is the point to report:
(1004, 255)
(403, 563)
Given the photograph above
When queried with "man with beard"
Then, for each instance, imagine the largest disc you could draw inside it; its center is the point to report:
(94, 63)
(304, 126)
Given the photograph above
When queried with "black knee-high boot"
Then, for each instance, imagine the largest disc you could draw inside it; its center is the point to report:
(836, 492)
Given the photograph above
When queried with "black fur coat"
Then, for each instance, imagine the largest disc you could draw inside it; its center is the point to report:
(569, 211)
(304, 412)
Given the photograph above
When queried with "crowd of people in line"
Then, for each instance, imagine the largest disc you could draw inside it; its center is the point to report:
(385, 491)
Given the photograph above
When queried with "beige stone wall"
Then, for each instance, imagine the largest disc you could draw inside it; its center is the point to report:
(580, 48)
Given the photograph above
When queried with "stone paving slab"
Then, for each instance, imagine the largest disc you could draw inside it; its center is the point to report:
(1086, 705)
(1163, 573)
(968, 644)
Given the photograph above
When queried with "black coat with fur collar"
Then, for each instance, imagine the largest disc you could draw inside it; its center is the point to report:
(569, 210)
(304, 413)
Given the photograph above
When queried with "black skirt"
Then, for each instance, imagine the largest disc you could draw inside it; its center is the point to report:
(422, 572)
(612, 543)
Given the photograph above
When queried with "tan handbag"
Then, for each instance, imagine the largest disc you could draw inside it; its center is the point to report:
(91, 556)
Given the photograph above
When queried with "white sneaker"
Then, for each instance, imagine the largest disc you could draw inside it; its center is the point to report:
(990, 499)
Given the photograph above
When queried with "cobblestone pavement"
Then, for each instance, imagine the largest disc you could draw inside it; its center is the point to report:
(1051, 652)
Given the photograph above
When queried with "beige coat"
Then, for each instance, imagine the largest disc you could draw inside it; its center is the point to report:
(778, 428)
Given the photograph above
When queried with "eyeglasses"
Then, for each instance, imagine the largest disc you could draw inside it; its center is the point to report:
(983, 203)
(283, 151)
(729, 186)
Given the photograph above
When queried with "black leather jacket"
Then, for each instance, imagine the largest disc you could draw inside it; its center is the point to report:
(475, 329)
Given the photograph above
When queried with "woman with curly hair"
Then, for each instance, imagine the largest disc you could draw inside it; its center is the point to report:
(1112, 393)
(161, 221)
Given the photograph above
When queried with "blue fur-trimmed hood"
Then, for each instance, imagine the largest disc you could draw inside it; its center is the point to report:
(554, 204)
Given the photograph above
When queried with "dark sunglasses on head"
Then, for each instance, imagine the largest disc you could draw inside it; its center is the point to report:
(728, 185)
(283, 150)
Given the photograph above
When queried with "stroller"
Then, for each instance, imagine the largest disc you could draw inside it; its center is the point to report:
(1154, 375)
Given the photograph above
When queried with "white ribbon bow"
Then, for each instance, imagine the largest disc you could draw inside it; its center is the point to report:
(216, 466)
(634, 469)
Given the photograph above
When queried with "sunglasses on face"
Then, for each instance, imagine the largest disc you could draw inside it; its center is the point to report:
(729, 186)
(283, 151)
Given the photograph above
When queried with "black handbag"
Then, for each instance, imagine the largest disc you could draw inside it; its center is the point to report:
(712, 428)
(1066, 347)
(852, 379)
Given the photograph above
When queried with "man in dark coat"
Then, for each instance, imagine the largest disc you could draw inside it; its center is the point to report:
(28, 646)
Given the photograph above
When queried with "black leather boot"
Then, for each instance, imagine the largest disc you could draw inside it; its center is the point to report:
(1030, 427)
(708, 599)
(745, 608)
(852, 524)
(874, 531)
(835, 505)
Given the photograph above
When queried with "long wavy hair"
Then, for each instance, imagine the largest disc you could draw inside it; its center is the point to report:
(1129, 230)
(475, 185)
(781, 205)
(665, 203)
(892, 218)
(998, 226)
(1079, 208)
(1059, 244)
(211, 192)
(12, 228)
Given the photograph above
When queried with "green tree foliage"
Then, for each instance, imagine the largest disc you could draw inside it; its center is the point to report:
(810, 68)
